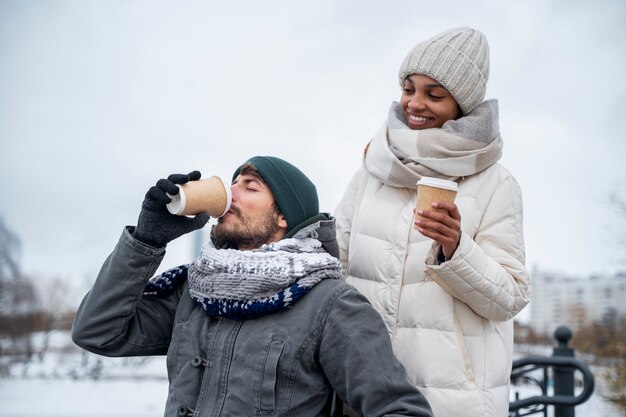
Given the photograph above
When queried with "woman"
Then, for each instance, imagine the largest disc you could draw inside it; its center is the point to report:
(447, 287)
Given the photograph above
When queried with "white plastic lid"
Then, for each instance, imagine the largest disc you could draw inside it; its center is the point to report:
(439, 183)
(229, 197)
(177, 205)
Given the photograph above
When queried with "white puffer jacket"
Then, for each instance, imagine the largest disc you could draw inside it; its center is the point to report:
(450, 324)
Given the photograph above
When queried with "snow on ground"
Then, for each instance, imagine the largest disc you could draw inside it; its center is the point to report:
(69, 382)
(68, 398)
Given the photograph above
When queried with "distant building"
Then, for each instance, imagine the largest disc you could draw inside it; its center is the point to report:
(559, 299)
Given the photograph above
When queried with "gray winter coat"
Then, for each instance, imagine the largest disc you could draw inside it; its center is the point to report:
(283, 364)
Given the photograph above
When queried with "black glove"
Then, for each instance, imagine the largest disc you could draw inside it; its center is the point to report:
(156, 226)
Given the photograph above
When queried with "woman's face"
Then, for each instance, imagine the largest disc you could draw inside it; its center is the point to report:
(426, 104)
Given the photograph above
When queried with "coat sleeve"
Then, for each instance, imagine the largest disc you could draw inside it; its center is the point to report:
(356, 355)
(487, 272)
(115, 318)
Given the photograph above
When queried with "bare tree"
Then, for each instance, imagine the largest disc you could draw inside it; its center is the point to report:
(54, 295)
(617, 200)
(18, 304)
(9, 268)
(605, 339)
(609, 334)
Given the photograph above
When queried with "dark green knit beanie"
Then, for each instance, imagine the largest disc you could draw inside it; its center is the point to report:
(294, 193)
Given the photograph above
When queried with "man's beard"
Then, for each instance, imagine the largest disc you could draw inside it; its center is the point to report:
(248, 232)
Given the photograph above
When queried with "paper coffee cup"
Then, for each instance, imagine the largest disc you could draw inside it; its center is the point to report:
(211, 195)
(431, 190)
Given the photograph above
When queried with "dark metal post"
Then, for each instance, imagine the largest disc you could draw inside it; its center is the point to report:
(563, 376)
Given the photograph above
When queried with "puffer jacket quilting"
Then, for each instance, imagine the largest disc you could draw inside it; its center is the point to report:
(449, 324)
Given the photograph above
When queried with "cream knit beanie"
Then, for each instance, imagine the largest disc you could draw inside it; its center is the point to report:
(458, 59)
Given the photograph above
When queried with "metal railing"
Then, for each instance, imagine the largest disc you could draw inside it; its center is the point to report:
(556, 378)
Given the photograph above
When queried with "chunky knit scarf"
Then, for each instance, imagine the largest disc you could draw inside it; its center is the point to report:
(400, 156)
(247, 284)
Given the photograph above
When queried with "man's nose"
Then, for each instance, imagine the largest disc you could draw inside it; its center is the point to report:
(234, 192)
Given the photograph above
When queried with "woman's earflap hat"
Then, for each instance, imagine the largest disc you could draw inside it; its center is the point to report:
(458, 59)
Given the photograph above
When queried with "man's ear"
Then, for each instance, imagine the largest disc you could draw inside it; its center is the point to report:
(282, 228)
(282, 222)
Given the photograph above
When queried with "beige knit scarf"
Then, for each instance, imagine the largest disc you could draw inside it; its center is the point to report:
(399, 156)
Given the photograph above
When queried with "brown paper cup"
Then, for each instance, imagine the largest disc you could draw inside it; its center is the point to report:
(431, 190)
(210, 195)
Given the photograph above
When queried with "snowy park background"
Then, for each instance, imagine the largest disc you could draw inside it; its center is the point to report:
(99, 99)
(69, 382)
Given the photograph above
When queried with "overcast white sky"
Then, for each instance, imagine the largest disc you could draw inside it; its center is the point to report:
(99, 99)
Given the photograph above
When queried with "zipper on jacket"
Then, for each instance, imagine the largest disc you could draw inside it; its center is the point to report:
(406, 256)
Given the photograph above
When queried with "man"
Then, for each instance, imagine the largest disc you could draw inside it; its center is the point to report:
(261, 323)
